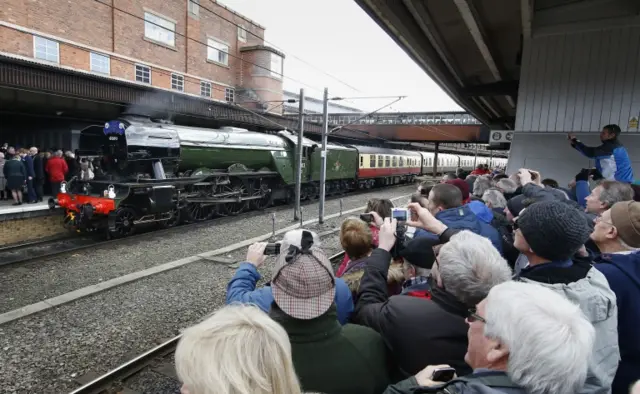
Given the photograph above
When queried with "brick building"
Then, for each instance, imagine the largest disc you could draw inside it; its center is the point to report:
(192, 47)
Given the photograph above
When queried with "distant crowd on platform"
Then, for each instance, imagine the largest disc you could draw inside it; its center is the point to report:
(28, 175)
(501, 284)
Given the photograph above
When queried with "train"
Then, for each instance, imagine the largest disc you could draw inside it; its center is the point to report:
(153, 171)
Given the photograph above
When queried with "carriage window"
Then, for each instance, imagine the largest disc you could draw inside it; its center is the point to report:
(380, 161)
(372, 161)
(361, 160)
(401, 161)
(387, 161)
(394, 161)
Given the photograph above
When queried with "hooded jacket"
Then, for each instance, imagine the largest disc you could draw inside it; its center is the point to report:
(242, 289)
(612, 159)
(479, 382)
(622, 271)
(581, 283)
(462, 218)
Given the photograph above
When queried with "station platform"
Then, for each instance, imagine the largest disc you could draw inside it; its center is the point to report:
(28, 222)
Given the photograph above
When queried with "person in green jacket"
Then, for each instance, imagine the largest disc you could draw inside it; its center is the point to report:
(328, 358)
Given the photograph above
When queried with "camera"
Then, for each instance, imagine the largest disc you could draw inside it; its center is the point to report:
(401, 215)
(366, 217)
(272, 249)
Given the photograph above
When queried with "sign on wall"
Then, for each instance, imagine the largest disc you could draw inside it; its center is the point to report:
(633, 124)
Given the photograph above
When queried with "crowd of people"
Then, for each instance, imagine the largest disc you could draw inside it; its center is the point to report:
(28, 175)
(507, 284)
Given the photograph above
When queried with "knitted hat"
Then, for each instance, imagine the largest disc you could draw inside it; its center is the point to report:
(516, 205)
(625, 216)
(553, 230)
(419, 252)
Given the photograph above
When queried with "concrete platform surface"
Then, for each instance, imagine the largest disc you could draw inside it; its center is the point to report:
(6, 207)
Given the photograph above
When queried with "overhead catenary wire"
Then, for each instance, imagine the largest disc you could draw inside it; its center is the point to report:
(206, 45)
(275, 46)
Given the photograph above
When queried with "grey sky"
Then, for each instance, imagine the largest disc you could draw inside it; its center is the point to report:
(337, 37)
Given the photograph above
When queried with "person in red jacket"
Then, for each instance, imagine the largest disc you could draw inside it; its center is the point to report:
(56, 168)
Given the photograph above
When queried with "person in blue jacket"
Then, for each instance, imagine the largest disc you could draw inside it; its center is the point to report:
(242, 287)
(612, 159)
(445, 203)
(617, 235)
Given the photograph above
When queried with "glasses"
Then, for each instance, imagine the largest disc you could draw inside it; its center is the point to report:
(473, 316)
(599, 219)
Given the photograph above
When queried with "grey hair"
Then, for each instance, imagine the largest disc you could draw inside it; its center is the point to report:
(58, 153)
(481, 185)
(521, 316)
(469, 266)
(294, 237)
(419, 270)
(507, 185)
(614, 191)
(495, 197)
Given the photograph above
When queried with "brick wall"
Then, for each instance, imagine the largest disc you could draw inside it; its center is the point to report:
(96, 24)
(22, 230)
(256, 75)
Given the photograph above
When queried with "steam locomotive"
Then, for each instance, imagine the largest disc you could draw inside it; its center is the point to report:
(149, 171)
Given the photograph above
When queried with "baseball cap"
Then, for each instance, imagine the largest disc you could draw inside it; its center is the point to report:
(303, 282)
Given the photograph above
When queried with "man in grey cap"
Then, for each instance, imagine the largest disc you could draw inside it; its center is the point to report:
(328, 357)
(549, 234)
(617, 235)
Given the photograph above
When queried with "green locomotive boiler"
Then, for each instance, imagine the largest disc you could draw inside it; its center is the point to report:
(156, 172)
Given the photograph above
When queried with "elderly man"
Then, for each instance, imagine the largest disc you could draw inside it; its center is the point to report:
(242, 287)
(603, 196)
(481, 185)
(422, 331)
(38, 170)
(508, 187)
(617, 235)
(327, 357)
(511, 350)
(494, 200)
(549, 234)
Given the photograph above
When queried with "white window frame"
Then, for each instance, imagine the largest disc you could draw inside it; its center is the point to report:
(177, 82)
(95, 55)
(211, 48)
(46, 43)
(204, 85)
(275, 73)
(135, 71)
(229, 93)
(242, 33)
(194, 7)
(161, 24)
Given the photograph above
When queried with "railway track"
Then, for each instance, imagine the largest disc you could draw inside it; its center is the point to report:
(38, 250)
(157, 358)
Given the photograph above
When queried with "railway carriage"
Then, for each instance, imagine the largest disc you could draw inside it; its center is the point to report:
(381, 166)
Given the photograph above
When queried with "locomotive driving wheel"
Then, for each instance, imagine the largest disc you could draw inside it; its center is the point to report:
(261, 188)
(234, 208)
(174, 220)
(121, 222)
(197, 212)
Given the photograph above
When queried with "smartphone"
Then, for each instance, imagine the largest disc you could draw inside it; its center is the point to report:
(366, 217)
(443, 374)
(272, 249)
(400, 214)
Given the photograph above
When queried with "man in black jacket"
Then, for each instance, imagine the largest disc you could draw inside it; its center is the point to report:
(38, 168)
(421, 331)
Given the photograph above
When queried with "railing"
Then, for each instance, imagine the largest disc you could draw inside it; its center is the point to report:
(425, 119)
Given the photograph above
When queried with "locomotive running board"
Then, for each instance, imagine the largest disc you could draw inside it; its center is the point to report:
(223, 200)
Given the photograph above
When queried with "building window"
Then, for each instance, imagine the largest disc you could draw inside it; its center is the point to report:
(229, 95)
(276, 66)
(372, 161)
(44, 49)
(194, 7)
(242, 34)
(177, 82)
(217, 51)
(143, 74)
(159, 29)
(205, 89)
(100, 63)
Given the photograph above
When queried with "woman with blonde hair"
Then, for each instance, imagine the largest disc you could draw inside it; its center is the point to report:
(238, 350)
